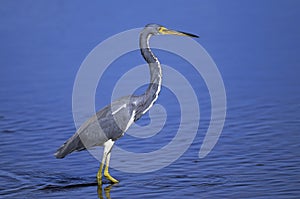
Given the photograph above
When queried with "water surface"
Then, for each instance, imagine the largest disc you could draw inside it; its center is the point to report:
(256, 50)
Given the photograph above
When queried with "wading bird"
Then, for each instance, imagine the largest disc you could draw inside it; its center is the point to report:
(116, 118)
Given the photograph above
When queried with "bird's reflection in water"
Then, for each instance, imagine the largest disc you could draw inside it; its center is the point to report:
(106, 191)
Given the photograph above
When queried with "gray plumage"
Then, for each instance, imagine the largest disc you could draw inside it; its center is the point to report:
(114, 125)
(111, 122)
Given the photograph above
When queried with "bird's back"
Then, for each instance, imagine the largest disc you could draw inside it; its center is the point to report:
(109, 123)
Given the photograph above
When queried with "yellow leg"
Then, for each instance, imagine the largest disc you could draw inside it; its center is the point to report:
(99, 174)
(105, 160)
(106, 173)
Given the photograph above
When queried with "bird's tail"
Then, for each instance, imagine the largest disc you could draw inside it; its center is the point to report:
(73, 144)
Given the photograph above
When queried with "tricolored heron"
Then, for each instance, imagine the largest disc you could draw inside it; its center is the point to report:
(116, 118)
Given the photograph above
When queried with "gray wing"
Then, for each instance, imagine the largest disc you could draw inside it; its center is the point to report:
(109, 123)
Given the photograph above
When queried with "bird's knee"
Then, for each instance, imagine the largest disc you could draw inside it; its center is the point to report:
(106, 173)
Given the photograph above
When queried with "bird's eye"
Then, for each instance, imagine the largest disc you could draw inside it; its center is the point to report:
(161, 29)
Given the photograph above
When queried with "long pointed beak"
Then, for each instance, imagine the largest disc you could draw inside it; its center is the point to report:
(178, 33)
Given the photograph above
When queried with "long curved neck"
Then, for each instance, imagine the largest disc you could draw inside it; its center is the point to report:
(154, 65)
(154, 87)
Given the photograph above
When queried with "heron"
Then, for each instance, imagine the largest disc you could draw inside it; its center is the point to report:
(115, 118)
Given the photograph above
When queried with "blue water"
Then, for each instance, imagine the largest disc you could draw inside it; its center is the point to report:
(255, 46)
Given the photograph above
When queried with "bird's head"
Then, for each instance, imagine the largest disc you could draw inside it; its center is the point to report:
(156, 29)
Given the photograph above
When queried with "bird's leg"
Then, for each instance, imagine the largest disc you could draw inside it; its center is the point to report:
(106, 173)
(105, 160)
(99, 174)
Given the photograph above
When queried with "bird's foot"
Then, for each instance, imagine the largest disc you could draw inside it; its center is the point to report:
(109, 177)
